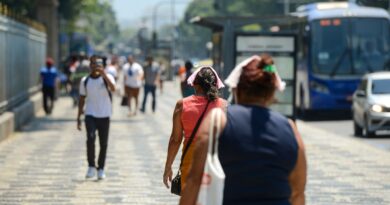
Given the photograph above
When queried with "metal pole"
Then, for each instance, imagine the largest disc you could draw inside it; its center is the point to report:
(286, 7)
(173, 27)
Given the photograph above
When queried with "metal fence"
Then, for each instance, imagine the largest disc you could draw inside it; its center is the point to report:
(22, 53)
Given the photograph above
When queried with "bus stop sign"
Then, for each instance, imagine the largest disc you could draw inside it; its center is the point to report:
(282, 48)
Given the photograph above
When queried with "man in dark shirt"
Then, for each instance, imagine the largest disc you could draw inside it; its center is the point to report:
(49, 80)
(151, 78)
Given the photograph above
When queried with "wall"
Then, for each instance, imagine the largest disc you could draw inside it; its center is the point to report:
(22, 54)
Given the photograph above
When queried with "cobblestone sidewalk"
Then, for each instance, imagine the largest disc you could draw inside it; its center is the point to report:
(46, 163)
(344, 171)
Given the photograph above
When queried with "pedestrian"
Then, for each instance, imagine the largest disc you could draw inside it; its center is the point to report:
(163, 75)
(151, 78)
(133, 75)
(49, 77)
(95, 93)
(112, 67)
(187, 114)
(186, 90)
(261, 151)
(81, 71)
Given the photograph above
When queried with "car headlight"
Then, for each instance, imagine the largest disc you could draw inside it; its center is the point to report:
(377, 108)
(319, 87)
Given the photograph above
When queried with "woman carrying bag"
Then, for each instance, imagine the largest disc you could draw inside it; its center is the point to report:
(261, 151)
(187, 114)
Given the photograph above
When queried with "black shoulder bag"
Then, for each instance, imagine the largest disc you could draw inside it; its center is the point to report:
(176, 182)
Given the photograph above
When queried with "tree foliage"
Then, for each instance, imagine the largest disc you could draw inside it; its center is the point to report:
(98, 20)
(95, 18)
(193, 39)
(375, 3)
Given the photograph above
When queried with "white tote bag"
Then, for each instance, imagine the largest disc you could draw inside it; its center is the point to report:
(213, 180)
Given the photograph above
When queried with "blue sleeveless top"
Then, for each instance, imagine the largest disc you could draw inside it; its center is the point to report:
(258, 151)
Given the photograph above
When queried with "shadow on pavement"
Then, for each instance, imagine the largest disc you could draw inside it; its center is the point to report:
(326, 115)
(52, 123)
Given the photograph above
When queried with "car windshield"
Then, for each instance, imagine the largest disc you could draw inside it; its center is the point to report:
(381, 86)
(350, 46)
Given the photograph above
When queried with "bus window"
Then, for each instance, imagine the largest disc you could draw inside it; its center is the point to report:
(350, 46)
(370, 46)
(329, 44)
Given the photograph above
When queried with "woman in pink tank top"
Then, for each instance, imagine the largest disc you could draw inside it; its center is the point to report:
(187, 113)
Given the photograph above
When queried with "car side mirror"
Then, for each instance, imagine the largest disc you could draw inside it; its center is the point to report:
(360, 93)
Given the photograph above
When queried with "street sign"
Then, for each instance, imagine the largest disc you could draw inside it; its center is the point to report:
(282, 48)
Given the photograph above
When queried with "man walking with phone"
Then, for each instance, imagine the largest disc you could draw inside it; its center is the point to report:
(95, 94)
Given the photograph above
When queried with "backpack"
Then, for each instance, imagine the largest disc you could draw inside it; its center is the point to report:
(105, 84)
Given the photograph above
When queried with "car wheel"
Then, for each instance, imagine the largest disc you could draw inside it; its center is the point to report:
(357, 130)
(366, 128)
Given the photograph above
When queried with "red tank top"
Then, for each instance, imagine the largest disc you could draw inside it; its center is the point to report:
(193, 106)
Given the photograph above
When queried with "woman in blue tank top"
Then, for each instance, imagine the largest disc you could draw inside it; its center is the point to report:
(261, 151)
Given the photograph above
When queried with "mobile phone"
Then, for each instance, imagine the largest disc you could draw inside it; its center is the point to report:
(99, 62)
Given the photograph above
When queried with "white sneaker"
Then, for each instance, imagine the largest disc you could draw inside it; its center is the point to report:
(101, 174)
(91, 172)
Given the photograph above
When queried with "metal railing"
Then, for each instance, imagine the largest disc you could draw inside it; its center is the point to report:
(6, 11)
(22, 54)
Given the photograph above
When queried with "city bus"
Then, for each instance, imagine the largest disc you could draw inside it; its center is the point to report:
(338, 43)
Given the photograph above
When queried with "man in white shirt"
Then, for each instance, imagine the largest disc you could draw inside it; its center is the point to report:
(111, 68)
(95, 93)
(133, 75)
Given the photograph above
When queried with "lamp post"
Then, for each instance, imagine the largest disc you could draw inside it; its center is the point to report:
(172, 3)
(155, 9)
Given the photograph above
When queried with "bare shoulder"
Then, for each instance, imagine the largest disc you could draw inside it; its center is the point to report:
(179, 106)
(296, 134)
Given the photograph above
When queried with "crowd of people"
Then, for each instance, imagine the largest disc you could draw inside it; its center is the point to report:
(260, 151)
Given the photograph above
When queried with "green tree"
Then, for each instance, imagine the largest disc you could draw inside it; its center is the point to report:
(99, 21)
(98, 16)
(375, 3)
(194, 38)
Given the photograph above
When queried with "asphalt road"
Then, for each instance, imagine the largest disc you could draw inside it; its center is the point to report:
(344, 128)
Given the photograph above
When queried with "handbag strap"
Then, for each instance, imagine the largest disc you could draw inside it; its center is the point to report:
(193, 134)
(213, 138)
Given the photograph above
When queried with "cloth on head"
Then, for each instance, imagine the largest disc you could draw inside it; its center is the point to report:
(234, 77)
(191, 79)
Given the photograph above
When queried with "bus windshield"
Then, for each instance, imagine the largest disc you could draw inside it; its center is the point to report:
(350, 46)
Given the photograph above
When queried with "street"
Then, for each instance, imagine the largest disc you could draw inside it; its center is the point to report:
(345, 128)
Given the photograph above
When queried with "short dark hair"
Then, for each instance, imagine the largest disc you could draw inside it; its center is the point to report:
(94, 57)
(188, 65)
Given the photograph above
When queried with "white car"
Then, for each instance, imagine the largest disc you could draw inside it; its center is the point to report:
(371, 104)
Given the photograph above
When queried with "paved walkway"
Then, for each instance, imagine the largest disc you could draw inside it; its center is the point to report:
(345, 171)
(46, 163)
